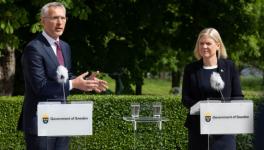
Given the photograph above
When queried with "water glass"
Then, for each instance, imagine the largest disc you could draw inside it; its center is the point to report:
(157, 109)
(135, 109)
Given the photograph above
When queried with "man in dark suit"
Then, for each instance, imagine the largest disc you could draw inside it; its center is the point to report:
(40, 61)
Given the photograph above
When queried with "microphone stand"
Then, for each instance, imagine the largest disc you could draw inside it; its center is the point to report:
(63, 90)
(64, 97)
(222, 96)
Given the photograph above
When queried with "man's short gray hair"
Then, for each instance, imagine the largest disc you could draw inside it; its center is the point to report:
(45, 8)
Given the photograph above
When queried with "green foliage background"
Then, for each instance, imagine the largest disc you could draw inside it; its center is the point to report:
(135, 37)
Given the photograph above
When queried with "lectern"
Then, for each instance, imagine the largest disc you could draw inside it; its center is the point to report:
(217, 117)
(65, 119)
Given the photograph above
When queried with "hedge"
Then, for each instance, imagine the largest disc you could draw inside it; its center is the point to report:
(110, 131)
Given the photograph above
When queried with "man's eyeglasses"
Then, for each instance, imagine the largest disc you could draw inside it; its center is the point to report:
(55, 18)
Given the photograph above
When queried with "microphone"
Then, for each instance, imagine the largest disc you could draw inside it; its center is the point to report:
(62, 77)
(217, 83)
(62, 74)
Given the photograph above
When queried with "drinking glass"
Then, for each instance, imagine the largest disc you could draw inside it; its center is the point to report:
(135, 109)
(157, 109)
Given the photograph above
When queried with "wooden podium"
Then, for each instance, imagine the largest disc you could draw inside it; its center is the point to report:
(233, 117)
(59, 119)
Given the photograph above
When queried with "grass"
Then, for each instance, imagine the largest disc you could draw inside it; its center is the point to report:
(250, 86)
(252, 83)
(156, 87)
(150, 87)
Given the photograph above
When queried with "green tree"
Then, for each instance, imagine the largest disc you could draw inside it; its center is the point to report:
(133, 37)
(127, 37)
(257, 55)
(235, 20)
(12, 18)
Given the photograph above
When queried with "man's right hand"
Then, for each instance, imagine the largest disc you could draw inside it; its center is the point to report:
(90, 84)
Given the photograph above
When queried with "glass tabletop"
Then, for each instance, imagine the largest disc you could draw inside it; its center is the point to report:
(146, 119)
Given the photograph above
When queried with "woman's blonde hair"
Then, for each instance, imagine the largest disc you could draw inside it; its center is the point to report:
(214, 34)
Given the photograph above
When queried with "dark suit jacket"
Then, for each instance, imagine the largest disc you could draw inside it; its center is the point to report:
(39, 69)
(192, 91)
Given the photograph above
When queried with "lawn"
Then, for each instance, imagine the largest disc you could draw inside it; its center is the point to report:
(250, 86)
(150, 87)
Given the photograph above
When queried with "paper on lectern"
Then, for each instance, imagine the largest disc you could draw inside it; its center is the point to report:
(195, 109)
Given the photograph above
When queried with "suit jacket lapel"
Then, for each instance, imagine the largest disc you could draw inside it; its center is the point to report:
(49, 50)
(221, 69)
(199, 77)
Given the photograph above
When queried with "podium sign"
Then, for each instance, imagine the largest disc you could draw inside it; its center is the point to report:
(56, 119)
(235, 117)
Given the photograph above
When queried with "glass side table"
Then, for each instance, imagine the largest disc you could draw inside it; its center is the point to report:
(146, 114)
(136, 120)
(156, 120)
